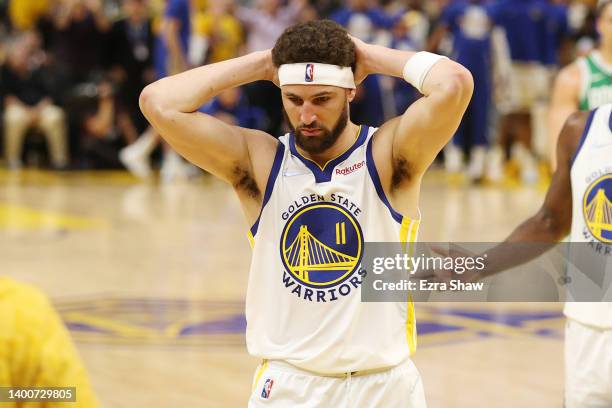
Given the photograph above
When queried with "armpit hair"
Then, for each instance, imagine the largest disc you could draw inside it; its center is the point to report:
(243, 180)
(403, 172)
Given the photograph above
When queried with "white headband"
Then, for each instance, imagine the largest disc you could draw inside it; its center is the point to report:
(314, 73)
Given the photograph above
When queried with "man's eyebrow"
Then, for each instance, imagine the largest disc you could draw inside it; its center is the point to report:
(323, 93)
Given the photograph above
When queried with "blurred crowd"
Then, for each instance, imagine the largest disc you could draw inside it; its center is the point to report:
(72, 70)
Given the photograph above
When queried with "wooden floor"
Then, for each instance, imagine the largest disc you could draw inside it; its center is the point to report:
(151, 280)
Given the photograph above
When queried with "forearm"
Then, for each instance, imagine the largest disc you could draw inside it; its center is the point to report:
(446, 77)
(102, 122)
(387, 61)
(188, 91)
(529, 240)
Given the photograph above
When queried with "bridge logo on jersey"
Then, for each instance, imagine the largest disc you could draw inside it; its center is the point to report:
(321, 249)
(597, 209)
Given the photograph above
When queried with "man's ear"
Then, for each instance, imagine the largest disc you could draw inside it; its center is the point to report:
(350, 94)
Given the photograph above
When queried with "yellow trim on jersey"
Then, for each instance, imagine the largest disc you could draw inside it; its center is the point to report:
(262, 367)
(251, 239)
(330, 160)
(408, 236)
(411, 332)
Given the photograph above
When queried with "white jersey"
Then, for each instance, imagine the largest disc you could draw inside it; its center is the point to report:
(303, 301)
(591, 178)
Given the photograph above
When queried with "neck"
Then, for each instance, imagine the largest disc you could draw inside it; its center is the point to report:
(346, 139)
(606, 53)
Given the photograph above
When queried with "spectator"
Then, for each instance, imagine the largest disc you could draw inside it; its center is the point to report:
(363, 20)
(36, 349)
(28, 103)
(404, 36)
(231, 107)
(267, 22)
(221, 31)
(78, 33)
(24, 14)
(471, 29)
(170, 57)
(103, 132)
(172, 42)
(131, 60)
(523, 21)
(264, 25)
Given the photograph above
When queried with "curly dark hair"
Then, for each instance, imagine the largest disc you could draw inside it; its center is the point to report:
(322, 41)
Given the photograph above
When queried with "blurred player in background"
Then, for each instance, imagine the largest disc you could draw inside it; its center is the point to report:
(36, 349)
(306, 319)
(578, 202)
(171, 53)
(471, 29)
(531, 27)
(30, 102)
(586, 83)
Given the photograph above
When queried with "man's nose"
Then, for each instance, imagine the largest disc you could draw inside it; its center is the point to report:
(307, 114)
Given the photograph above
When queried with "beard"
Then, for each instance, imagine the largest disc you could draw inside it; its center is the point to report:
(326, 139)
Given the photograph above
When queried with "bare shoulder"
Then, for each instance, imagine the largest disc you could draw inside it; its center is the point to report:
(569, 77)
(262, 149)
(572, 132)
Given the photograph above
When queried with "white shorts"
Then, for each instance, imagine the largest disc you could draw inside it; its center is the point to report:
(588, 366)
(529, 84)
(279, 384)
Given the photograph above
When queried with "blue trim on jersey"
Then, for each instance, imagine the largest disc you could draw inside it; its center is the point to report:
(323, 175)
(610, 122)
(587, 126)
(377, 184)
(276, 164)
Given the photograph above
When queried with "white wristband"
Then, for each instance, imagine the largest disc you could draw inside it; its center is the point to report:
(418, 66)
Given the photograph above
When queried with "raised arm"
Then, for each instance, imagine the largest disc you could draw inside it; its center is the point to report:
(405, 146)
(226, 151)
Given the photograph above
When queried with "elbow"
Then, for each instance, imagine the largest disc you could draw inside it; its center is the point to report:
(151, 101)
(146, 101)
(555, 227)
(459, 85)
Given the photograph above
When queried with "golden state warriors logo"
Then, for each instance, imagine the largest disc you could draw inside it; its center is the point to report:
(321, 248)
(597, 208)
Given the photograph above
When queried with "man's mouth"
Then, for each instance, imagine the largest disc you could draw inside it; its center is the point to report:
(310, 131)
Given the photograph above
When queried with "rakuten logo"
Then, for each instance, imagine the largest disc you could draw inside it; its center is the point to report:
(349, 170)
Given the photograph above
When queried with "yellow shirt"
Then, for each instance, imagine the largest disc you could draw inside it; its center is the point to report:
(224, 33)
(36, 349)
(24, 13)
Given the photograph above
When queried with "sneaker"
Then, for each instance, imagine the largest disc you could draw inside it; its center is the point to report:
(173, 168)
(15, 164)
(527, 163)
(453, 158)
(495, 164)
(135, 161)
(476, 167)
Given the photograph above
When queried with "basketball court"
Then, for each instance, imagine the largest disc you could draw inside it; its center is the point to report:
(151, 279)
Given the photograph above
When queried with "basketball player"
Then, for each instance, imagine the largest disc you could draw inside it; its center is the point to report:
(586, 83)
(584, 173)
(313, 198)
(36, 349)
